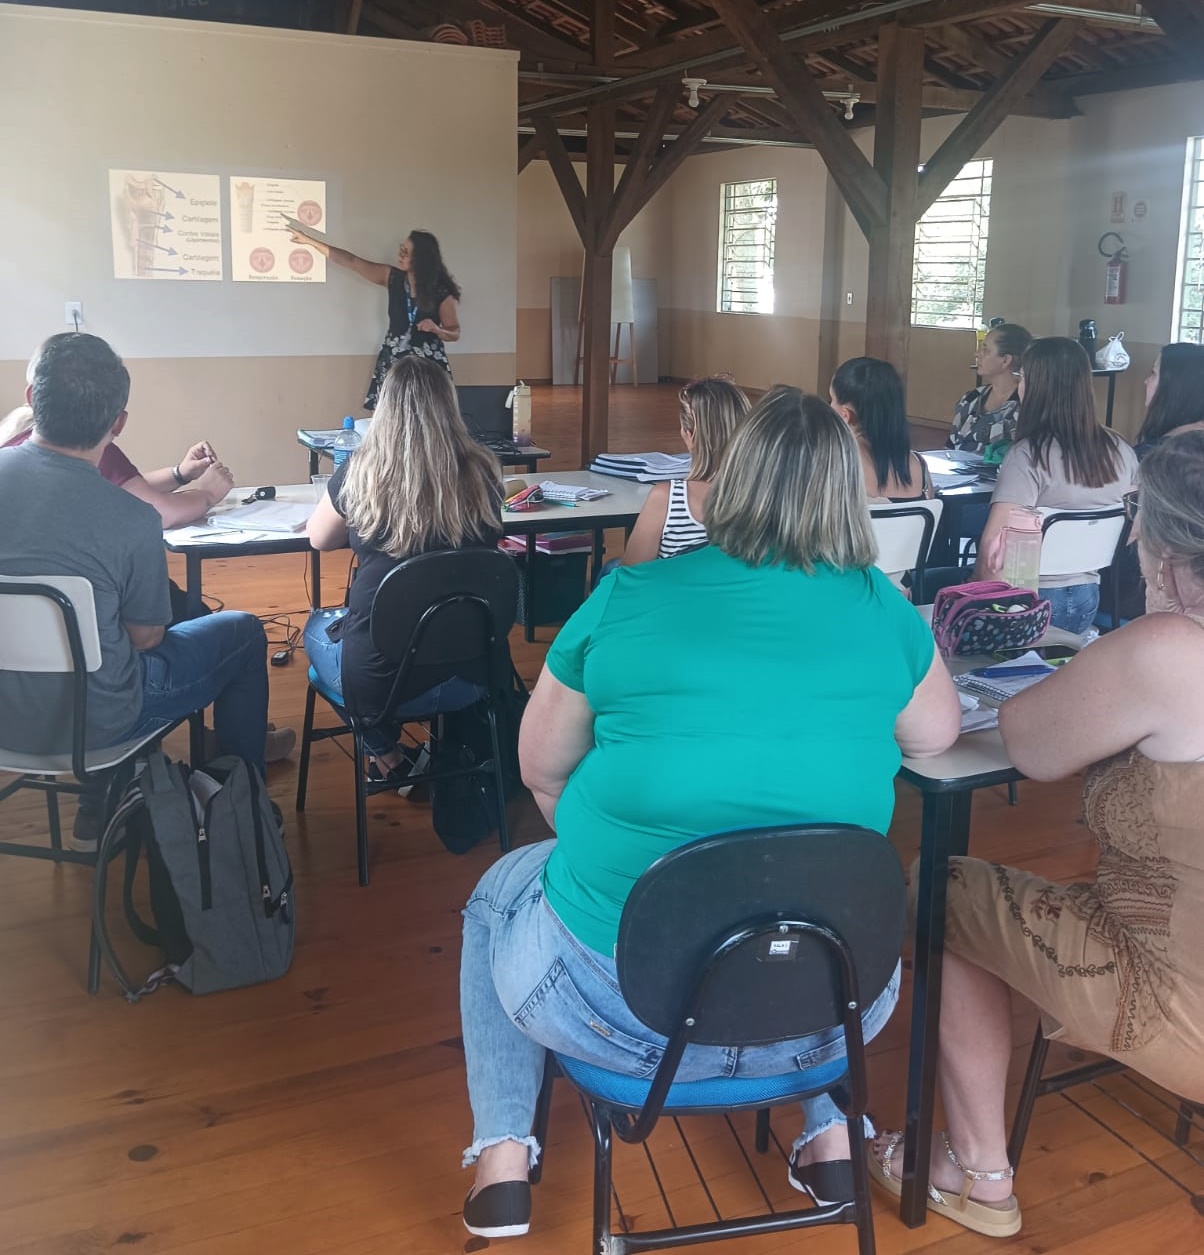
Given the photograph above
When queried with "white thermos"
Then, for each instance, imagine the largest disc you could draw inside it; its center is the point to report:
(522, 413)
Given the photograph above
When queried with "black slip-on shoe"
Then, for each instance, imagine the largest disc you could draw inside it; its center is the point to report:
(824, 1183)
(499, 1211)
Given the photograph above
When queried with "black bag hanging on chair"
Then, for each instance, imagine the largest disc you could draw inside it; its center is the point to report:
(464, 809)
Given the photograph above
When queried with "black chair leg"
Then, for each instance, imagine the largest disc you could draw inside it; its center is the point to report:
(543, 1113)
(361, 808)
(602, 1151)
(307, 734)
(761, 1134)
(863, 1206)
(1013, 796)
(499, 779)
(1028, 1096)
(52, 817)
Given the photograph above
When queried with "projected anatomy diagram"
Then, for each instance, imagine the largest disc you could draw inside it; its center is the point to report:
(260, 248)
(165, 226)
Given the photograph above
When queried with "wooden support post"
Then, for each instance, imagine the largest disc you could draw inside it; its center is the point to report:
(596, 291)
(896, 158)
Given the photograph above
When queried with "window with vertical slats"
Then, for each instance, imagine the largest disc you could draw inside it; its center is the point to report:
(749, 213)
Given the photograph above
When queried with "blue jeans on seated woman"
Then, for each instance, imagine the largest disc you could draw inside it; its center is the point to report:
(527, 985)
(1074, 607)
(326, 658)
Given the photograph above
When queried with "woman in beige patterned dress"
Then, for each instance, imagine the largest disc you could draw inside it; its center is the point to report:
(1116, 967)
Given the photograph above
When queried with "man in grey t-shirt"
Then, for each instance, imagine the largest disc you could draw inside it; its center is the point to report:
(59, 517)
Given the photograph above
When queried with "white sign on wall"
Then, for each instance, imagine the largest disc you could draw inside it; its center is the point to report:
(260, 248)
(165, 226)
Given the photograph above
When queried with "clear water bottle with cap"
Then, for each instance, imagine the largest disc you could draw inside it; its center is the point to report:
(522, 413)
(1022, 549)
(345, 443)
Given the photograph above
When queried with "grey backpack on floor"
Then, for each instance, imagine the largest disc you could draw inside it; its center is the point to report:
(219, 878)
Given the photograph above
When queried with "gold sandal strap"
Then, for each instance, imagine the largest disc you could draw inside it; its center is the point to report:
(970, 1174)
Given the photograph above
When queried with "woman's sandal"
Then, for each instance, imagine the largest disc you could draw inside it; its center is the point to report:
(995, 1220)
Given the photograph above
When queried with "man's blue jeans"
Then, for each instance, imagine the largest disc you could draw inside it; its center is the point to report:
(220, 661)
(527, 984)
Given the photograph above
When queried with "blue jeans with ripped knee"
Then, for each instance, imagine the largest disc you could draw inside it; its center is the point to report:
(527, 985)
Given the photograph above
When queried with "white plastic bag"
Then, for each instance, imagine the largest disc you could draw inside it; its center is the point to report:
(1113, 356)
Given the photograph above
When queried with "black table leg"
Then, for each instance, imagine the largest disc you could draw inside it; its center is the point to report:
(529, 626)
(313, 461)
(945, 831)
(315, 579)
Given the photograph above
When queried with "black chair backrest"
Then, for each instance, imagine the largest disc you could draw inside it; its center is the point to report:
(443, 614)
(687, 903)
(484, 410)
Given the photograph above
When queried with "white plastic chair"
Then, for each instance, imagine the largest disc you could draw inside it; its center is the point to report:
(904, 533)
(48, 626)
(1082, 540)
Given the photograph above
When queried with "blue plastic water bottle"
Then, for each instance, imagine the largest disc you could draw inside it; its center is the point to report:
(346, 442)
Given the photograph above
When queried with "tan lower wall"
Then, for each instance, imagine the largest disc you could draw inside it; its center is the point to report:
(533, 340)
(249, 408)
(758, 350)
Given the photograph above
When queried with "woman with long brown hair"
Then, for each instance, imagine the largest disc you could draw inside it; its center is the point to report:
(418, 483)
(1062, 459)
(424, 301)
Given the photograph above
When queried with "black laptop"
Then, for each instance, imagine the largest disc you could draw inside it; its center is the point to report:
(487, 415)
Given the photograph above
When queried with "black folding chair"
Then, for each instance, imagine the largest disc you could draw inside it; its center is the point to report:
(48, 627)
(435, 616)
(744, 939)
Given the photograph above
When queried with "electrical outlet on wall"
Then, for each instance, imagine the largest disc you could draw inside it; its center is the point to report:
(848, 298)
(74, 314)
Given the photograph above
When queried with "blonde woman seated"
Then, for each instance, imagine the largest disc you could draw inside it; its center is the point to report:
(868, 395)
(671, 520)
(1117, 966)
(418, 483)
(612, 744)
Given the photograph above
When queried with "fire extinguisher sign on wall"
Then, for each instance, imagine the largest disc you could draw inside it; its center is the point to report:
(1112, 246)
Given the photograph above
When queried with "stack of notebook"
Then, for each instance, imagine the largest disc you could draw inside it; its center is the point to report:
(646, 468)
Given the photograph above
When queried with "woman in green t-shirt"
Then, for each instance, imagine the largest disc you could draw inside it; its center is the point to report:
(753, 630)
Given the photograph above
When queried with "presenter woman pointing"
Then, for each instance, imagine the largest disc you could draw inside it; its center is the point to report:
(423, 301)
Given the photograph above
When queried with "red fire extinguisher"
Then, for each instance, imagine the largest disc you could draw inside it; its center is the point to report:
(1115, 273)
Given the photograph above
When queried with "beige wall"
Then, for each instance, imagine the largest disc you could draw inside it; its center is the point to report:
(1052, 188)
(81, 93)
(549, 247)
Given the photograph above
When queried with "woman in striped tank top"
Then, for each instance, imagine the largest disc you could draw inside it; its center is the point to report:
(670, 522)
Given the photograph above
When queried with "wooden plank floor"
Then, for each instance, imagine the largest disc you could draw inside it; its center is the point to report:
(325, 1113)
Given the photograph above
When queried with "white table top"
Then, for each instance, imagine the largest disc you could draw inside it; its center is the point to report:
(623, 502)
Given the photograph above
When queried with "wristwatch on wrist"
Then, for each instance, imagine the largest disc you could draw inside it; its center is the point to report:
(175, 474)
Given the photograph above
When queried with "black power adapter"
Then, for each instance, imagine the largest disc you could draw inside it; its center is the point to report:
(282, 657)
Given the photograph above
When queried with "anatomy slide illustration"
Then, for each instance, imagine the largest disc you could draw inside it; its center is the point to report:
(260, 248)
(166, 226)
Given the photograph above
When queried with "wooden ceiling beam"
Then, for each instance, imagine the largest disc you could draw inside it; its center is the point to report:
(529, 147)
(651, 137)
(389, 22)
(565, 175)
(973, 48)
(602, 32)
(859, 183)
(671, 156)
(1023, 74)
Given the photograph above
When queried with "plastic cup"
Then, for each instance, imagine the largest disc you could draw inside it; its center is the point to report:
(319, 482)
